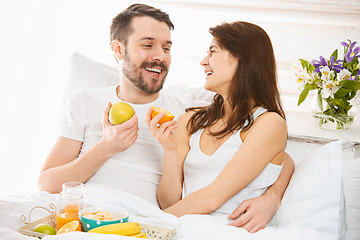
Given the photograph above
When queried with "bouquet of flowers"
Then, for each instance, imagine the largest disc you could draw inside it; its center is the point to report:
(337, 81)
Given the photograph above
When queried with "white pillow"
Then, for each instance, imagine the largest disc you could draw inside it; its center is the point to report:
(314, 196)
(85, 73)
(351, 182)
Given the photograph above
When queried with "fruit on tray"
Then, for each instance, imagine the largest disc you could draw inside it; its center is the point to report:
(167, 117)
(70, 227)
(45, 229)
(140, 235)
(126, 229)
(120, 112)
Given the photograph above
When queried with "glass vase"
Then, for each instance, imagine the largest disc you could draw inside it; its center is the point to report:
(333, 122)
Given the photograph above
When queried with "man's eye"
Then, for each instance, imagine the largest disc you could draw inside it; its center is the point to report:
(166, 49)
(147, 45)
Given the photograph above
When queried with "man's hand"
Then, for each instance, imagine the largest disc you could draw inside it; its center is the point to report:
(118, 138)
(255, 213)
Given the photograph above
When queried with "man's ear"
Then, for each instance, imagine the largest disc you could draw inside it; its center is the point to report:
(118, 49)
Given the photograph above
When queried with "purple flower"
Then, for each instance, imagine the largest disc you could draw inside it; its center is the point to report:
(319, 64)
(337, 65)
(345, 44)
(355, 77)
(349, 56)
(350, 45)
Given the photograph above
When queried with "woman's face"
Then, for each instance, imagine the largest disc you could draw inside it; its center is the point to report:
(220, 67)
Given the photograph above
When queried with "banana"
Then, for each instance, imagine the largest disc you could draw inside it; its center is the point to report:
(126, 229)
(139, 235)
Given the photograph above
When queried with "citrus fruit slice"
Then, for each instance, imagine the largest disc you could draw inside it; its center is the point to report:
(45, 229)
(167, 117)
(70, 227)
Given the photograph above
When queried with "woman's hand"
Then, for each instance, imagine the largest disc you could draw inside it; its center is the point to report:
(162, 132)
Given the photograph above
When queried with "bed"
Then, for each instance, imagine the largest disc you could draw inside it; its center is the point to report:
(321, 202)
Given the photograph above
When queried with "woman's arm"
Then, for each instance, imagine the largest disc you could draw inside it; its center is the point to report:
(174, 139)
(243, 168)
(255, 213)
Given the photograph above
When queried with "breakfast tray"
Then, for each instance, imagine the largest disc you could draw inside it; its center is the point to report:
(152, 232)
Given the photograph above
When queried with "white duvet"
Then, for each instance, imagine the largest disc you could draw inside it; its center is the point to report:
(187, 227)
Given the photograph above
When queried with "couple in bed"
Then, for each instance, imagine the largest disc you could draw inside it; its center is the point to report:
(226, 159)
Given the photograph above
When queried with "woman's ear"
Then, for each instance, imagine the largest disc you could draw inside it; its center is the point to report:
(118, 49)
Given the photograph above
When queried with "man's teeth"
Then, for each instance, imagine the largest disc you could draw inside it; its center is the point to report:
(153, 70)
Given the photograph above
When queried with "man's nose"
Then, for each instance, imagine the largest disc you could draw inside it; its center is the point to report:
(159, 54)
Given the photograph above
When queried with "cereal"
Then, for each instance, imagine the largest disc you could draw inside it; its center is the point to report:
(99, 215)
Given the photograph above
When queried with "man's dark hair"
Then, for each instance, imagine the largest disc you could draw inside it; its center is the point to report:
(121, 25)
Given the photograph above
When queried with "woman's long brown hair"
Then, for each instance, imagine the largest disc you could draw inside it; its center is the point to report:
(255, 79)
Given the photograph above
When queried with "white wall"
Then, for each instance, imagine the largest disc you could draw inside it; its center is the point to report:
(39, 36)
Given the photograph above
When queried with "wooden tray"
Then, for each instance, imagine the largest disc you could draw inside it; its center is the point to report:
(152, 232)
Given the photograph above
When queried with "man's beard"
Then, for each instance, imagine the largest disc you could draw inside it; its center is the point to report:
(134, 74)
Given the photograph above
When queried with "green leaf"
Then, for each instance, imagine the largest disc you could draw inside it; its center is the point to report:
(319, 101)
(313, 86)
(307, 65)
(354, 73)
(304, 94)
(342, 92)
(341, 104)
(350, 84)
(335, 54)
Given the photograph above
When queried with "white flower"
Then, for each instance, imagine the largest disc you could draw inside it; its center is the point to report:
(358, 66)
(329, 88)
(343, 74)
(326, 73)
(300, 75)
(357, 97)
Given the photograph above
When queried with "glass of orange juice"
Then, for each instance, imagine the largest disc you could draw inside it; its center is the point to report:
(67, 209)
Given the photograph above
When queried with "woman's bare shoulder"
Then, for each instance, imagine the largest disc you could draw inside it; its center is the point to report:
(184, 118)
(271, 122)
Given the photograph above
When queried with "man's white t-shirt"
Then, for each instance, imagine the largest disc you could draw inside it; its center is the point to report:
(136, 170)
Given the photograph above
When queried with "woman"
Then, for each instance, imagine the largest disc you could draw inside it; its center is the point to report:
(227, 152)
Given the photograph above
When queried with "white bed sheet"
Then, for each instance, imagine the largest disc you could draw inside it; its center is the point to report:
(187, 227)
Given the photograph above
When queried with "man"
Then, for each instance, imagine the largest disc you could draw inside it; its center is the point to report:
(126, 156)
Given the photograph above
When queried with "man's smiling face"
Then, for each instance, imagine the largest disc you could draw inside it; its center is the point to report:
(147, 55)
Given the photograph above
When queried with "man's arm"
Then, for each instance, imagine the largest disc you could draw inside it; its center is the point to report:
(257, 212)
(63, 163)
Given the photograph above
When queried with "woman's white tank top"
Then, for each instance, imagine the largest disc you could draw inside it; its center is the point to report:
(200, 170)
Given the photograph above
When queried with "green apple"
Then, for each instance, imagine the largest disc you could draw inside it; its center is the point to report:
(120, 112)
(45, 229)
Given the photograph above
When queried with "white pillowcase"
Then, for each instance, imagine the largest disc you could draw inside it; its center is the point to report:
(351, 182)
(313, 198)
(85, 73)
